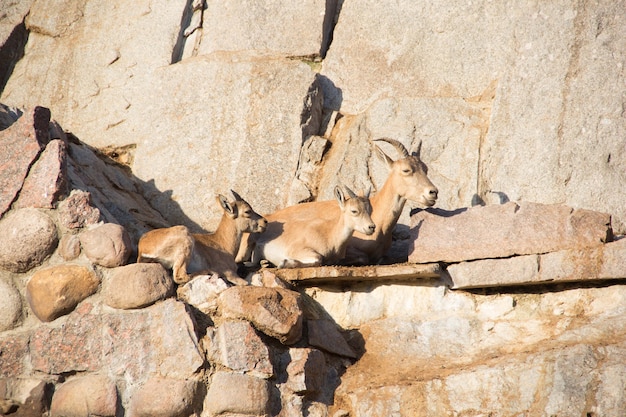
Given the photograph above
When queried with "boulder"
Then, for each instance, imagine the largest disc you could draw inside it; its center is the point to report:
(15, 350)
(10, 305)
(237, 394)
(29, 237)
(603, 262)
(22, 142)
(255, 106)
(522, 228)
(136, 285)
(55, 291)
(85, 396)
(106, 245)
(109, 61)
(277, 312)
(47, 179)
(131, 345)
(164, 397)
(236, 345)
(301, 30)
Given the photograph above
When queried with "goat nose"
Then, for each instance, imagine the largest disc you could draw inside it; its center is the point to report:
(372, 227)
(433, 192)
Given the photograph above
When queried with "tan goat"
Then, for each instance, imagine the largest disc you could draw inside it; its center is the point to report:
(186, 253)
(290, 242)
(407, 180)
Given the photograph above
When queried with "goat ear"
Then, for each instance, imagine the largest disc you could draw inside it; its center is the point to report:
(226, 206)
(416, 149)
(237, 196)
(383, 156)
(340, 197)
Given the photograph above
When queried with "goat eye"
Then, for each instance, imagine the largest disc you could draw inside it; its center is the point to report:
(355, 212)
(406, 171)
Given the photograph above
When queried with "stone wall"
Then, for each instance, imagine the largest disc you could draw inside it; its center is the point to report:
(86, 331)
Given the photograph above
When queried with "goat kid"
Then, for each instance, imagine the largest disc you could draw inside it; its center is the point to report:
(186, 253)
(299, 235)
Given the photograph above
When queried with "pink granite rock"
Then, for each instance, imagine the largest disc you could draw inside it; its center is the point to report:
(499, 231)
(21, 142)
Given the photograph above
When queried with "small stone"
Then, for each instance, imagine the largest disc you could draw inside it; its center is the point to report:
(107, 245)
(274, 311)
(55, 291)
(10, 306)
(164, 397)
(29, 236)
(237, 394)
(306, 371)
(136, 285)
(202, 292)
(69, 247)
(76, 210)
(325, 335)
(92, 395)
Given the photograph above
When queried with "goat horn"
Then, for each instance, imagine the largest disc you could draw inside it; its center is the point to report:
(416, 149)
(349, 192)
(397, 145)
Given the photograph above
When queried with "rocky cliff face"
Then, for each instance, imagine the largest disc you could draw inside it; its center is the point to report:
(171, 102)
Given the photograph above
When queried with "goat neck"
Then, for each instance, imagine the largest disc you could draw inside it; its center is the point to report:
(387, 207)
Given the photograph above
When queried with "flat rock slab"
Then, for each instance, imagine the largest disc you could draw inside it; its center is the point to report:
(603, 262)
(334, 274)
(501, 231)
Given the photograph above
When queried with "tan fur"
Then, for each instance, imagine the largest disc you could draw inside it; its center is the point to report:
(186, 253)
(299, 236)
(407, 180)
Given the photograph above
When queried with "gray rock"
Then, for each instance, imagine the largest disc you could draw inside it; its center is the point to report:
(164, 397)
(325, 335)
(55, 291)
(306, 370)
(237, 394)
(202, 292)
(300, 30)
(136, 285)
(236, 345)
(110, 61)
(85, 396)
(29, 237)
(107, 244)
(10, 305)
